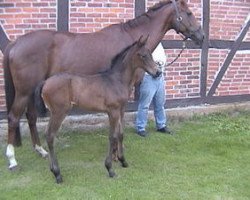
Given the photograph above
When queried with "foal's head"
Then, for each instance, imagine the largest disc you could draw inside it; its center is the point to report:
(141, 57)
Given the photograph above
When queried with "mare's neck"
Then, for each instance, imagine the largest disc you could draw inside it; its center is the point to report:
(156, 24)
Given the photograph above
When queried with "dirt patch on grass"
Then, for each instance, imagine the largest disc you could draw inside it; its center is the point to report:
(96, 121)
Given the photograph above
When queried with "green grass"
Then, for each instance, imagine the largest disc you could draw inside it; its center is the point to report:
(207, 159)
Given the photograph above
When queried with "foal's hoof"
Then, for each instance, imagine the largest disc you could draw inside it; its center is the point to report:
(112, 174)
(59, 179)
(125, 164)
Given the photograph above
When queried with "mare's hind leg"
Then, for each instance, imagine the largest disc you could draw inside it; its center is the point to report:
(14, 116)
(31, 115)
(54, 125)
(18, 139)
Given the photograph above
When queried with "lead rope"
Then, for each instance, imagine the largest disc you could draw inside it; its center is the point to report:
(179, 19)
(183, 48)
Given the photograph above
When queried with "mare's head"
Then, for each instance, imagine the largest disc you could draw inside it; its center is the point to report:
(185, 22)
(141, 57)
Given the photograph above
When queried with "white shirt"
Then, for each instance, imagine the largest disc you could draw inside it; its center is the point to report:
(159, 56)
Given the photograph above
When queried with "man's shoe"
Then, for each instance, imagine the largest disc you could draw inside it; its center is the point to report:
(142, 133)
(165, 130)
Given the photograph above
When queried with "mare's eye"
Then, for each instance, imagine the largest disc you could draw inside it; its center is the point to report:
(189, 13)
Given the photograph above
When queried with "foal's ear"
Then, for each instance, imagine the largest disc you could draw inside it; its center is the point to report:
(142, 41)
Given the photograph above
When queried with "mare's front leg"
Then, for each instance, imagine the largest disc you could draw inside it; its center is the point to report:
(31, 115)
(54, 124)
(14, 116)
(114, 120)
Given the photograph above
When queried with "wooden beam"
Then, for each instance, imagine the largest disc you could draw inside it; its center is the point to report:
(4, 40)
(230, 56)
(205, 48)
(63, 15)
(213, 44)
(174, 103)
(171, 103)
(227, 44)
(140, 7)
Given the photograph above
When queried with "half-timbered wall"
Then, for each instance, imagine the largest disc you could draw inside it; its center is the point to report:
(217, 72)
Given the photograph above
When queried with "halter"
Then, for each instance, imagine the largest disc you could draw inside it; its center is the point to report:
(179, 18)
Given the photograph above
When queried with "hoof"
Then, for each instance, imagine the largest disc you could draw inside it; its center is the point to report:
(41, 151)
(125, 164)
(112, 174)
(59, 180)
(44, 156)
(14, 168)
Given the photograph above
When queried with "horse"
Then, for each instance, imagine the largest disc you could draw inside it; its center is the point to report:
(37, 55)
(105, 92)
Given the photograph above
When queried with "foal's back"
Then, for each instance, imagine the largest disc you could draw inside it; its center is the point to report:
(98, 92)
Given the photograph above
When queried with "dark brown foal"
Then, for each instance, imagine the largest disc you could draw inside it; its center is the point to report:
(105, 92)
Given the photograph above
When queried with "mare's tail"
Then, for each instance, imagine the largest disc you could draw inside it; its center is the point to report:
(8, 80)
(10, 88)
(39, 103)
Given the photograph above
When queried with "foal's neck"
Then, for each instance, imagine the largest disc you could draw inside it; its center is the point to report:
(126, 73)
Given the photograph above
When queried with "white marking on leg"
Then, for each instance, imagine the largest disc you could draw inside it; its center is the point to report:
(41, 151)
(10, 153)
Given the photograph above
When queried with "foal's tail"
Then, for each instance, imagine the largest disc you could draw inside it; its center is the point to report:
(39, 103)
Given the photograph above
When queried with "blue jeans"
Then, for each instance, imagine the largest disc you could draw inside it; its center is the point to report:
(151, 90)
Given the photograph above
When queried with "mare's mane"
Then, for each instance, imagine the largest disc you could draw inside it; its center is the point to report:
(159, 5)
(145, 16)
(119, 57)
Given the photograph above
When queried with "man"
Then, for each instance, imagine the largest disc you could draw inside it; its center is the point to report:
(153, 90)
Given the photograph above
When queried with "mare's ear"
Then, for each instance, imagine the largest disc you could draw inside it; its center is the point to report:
(142, 41)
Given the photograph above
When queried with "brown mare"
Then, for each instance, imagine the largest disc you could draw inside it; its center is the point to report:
(105, 92)
(38, 55)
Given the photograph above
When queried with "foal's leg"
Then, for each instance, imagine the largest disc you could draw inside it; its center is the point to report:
(31, 115)
(14, 116)
(121, 157)
(114, 118)
(54, 124)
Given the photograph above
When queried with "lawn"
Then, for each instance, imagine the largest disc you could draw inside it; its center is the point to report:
(207, 159)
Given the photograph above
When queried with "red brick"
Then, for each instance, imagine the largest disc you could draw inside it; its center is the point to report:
(182, 77)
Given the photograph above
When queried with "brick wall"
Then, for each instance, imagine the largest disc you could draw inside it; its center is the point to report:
(183, 77)
(21, 16)
(93, 15)
(227, 18)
